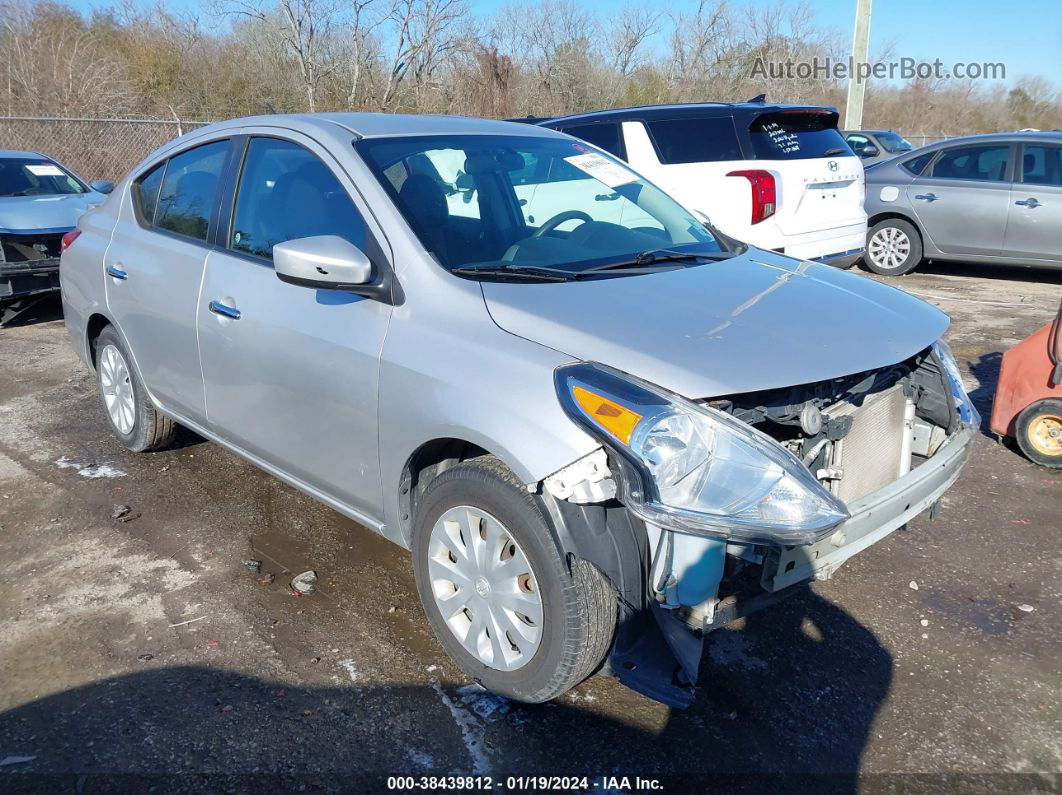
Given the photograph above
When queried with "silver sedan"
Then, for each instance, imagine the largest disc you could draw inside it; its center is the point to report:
(982, 198)
(582, 410)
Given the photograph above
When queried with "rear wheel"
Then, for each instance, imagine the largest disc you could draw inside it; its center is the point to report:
(894, 247)
(1039, 432)
(134, 420)
(498, 591)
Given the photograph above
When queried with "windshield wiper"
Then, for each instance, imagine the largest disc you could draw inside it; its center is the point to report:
(835, 151)
(649, 259)
(529, 272)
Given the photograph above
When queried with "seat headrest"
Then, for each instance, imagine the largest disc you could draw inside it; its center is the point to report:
(424, 200)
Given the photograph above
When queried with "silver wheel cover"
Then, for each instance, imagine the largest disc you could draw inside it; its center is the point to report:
(117, 389)
(484, 588)
(889, 248)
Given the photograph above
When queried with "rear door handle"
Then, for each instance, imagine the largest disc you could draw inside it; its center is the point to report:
(224, 310)
(1030, 202)
(116, 272)
(926, 197)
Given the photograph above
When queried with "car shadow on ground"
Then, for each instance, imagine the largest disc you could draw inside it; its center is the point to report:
(32, 310)
(787, 701)
(1012, 273)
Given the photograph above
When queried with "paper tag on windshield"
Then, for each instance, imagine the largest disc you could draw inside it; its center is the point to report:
(45, 170)
(602, 169)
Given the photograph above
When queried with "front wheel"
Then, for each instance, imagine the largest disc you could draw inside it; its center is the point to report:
(498, 591)
(894, 247)
(1039, 432)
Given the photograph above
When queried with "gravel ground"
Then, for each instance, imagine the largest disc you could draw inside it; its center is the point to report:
(142, 651)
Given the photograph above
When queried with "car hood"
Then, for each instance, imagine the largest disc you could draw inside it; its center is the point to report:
(45, 213)
(757, 321)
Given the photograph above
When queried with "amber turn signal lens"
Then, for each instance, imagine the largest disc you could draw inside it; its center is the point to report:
(614, 418)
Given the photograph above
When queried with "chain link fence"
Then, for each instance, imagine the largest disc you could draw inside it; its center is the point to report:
(109, 148)
(92, 148)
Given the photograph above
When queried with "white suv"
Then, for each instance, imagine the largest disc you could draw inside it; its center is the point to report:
(779, 177)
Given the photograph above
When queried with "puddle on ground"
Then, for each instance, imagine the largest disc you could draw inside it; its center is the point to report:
(990, 616)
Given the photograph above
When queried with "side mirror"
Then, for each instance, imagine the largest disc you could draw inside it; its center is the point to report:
(324, 262)
(870, 151)
(102, 185)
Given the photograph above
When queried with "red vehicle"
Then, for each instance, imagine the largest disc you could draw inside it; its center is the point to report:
(1028, 404)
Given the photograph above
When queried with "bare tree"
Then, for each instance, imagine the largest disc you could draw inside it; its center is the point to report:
(301, 26)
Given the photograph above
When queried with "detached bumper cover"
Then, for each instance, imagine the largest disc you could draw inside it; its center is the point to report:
(873, 517)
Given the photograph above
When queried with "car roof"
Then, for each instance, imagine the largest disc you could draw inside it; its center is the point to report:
(679, 111)
(1054, 137)
(13, 153)
(377, 125)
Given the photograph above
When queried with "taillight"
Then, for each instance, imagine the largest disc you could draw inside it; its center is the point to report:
(68, 238)
(763, 192)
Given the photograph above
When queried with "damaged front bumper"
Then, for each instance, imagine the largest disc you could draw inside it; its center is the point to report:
(29, 262)
(666, 613)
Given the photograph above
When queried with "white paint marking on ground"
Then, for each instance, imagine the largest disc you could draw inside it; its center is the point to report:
(92, 471)
(471, 731)
(348, 666)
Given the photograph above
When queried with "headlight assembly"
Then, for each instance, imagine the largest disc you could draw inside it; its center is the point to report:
(694, 469)
(967, 413)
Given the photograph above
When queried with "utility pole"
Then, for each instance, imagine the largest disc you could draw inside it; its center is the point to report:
(853, 113)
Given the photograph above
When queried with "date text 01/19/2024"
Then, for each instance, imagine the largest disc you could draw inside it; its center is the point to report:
(523, 783)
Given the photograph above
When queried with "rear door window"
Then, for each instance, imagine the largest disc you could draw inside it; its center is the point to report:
(189, 189)
(797, 135)
(708, 139)
(286, 192)
(983, 163)
(603, 135)
(1041, 165)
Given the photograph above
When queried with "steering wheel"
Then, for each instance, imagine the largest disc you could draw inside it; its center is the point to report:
(560, 218)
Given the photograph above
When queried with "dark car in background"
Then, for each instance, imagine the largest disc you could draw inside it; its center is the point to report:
(980, 198)
(872, 146)
(40, 201)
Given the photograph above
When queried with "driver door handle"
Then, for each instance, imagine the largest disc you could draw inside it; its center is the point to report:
(1030, 202)
(224, 310)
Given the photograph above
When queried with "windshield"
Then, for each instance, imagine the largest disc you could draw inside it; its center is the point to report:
(797, 135)
(499, 202)
(36, 176)
(893, 142)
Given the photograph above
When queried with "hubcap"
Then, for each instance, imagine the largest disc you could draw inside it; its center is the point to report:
(117, 389)
(484, 588)
(889, 248)
(1045, 434)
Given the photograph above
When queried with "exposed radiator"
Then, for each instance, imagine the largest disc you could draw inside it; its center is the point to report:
(877, 449)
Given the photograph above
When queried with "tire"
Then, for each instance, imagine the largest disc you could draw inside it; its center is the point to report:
(136, 423)
(894, 247)
(577, 618)
(1039, 432)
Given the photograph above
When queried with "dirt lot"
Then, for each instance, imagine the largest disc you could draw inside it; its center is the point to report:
(147, 647)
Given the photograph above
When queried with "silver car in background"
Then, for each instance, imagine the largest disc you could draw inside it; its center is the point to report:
(40, 201)
(982, 198)
(599, 439)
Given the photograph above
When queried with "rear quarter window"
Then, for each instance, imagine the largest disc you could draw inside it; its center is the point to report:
(146, 193)
(708, 139)
(800, 135)
(916, 165)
